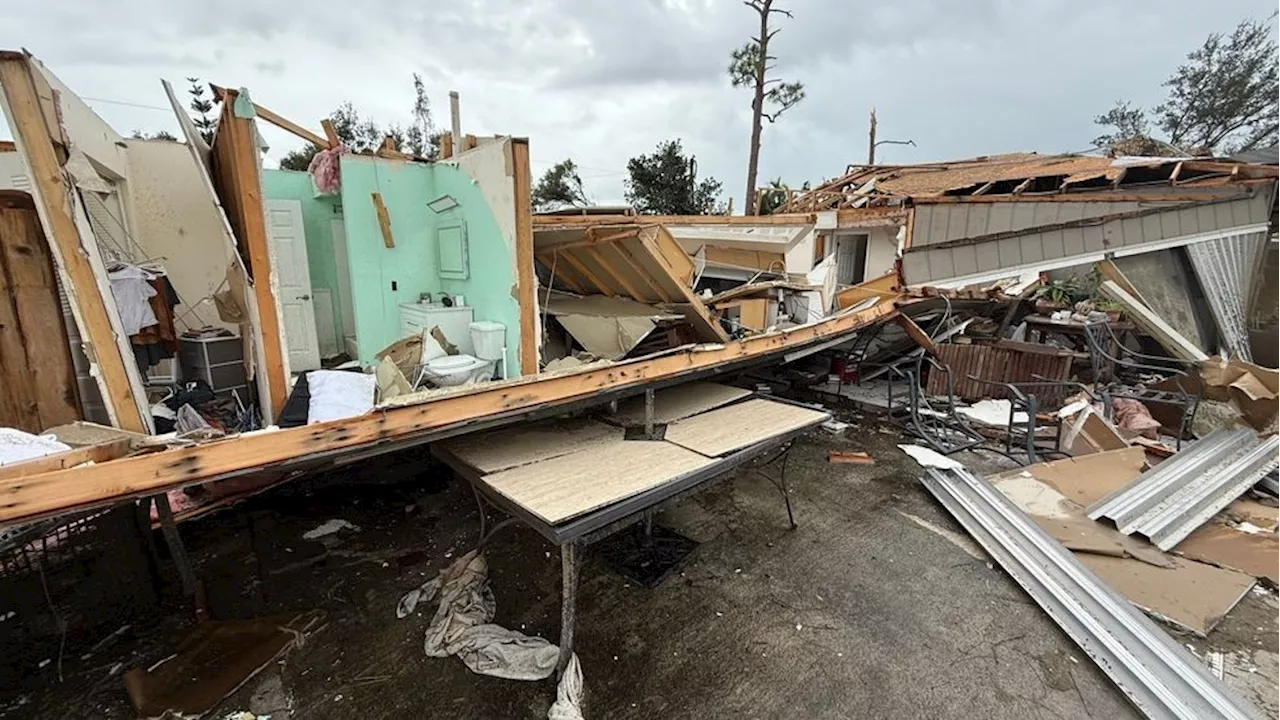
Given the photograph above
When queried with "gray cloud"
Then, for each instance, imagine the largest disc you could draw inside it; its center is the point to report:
(605, 81)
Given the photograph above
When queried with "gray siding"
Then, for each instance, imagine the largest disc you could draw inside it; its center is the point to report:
(942, 223)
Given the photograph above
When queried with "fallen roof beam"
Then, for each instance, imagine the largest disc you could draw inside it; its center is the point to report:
(1153, 324)
(397, 425)
(277, 120)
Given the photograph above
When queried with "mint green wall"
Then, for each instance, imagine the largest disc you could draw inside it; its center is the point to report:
(411, 266)
(318, 215)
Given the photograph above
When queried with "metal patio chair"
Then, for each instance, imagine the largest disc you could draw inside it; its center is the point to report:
(1119, 372)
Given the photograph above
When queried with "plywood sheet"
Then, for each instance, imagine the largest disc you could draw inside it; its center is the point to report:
(675, 403)
(722, 431)
(565, 487)
(1190, 595)
(523, 444)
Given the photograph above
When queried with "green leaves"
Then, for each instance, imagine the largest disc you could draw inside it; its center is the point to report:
(560, 185)
(666, 183)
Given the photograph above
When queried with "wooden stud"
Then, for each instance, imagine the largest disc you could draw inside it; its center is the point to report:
(446, 146)
(469, 142)
(384, 220)
(692, 304)
(656, 287)
(526, 277)
(53, 202)
(330, 134)
(551, 259)
(274, 119)
(87, 486)
(238, 182)
(595, 254)
(100, 453)
(581, 267)
(918, 334)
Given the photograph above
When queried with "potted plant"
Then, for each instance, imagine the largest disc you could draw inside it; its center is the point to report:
(1054, 296)
(1113, 309)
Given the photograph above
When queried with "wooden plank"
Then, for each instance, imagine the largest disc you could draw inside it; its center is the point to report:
(526, 277)
(277, 120)
(753, 314)
(552, 262)
(53, 203)
(492, 452)
(677, 261)
(674, 403)
(41, 374)
(1152, 324)
(330, 134)
(650, 281)
(720, 432)
(565, 487)
(446, 146)
(238, 182)
(1109, 270)
(917, 334)
(695, 311)
(100, 453)
(600, 287)
(618, 278)
(89, 486)
(745, 259)
(384, 220)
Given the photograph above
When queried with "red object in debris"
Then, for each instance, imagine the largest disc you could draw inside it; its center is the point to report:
(844, 369)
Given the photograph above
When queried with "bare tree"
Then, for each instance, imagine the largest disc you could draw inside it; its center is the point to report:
(749, 66)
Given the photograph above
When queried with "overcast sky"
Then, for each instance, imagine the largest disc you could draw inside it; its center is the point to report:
(601, 81)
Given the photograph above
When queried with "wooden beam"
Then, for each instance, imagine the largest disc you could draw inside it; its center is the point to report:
(917, 334)
(1022, 186)
(1152, 324)
(656, 287)
(526, 277)
(551, 259)
(1109, 270)
(238, 182)
(91, 305)
(581, 267)
(330, 134)
(591, 238)
(271, 117)
(595, 254)
(88, 486)
(446, 146)
(751, 259)
(691, 304)
(384, 220)
(103, 452)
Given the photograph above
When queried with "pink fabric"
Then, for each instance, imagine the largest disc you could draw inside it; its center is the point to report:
(1133, 415)
(324, 170)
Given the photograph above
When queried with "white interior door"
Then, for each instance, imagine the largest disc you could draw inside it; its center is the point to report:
(289, 262)
(345, 303)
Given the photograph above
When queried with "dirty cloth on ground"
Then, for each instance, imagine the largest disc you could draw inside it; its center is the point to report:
(463, 625)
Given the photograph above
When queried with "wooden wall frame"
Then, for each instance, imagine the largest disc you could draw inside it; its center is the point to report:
(526, 278)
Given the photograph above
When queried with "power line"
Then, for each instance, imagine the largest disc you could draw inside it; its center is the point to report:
(129, 104)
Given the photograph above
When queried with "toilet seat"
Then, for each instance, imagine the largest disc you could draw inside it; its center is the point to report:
(452, 363)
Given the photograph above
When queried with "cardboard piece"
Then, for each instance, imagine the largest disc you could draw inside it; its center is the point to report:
(1190, 595)
(1081, 534)
(1088, 432)
(1224, 546)
(1088, 478)
(1254, 390)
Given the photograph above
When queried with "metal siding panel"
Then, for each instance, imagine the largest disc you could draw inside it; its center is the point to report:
(1031, 247)
(1222, 216)
(1010, 252)
(988, 256)
(1054, 247)
(941, 264)
(1073, 241)
(915, 268)
(999, 217)
(1023, 216)
(965, 259)
(937, 226)
(1112, 235)
(957, 222)
(1131, 229)
(1189, 220)
(977, 221)
(1170, 227)
(1044, 213)
(1151, 228)
(1094, 240)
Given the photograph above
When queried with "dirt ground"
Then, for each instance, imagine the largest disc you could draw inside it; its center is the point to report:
(878, 605)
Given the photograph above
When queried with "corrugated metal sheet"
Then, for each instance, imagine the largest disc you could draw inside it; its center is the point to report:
(956, 223)
(1225, 268)
(1005, 361)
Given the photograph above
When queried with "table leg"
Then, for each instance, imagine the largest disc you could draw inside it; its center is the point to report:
(570, 556)
(174, 541)
(786, 489)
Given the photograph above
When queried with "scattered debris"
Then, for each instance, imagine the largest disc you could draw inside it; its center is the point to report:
(850, 457)
(930, 459)
(329, 527)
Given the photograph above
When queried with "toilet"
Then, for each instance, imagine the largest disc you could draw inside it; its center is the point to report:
(489, 342)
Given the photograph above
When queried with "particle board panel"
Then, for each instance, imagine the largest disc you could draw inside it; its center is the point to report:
(675, 403)
(565, 487)
(497, 451)
(722, 431)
